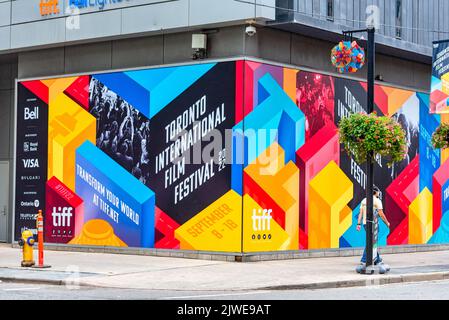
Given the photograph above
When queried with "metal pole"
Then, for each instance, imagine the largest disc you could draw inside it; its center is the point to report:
(370, 160)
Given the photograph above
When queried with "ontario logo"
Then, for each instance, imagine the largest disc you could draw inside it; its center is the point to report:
(49, 7)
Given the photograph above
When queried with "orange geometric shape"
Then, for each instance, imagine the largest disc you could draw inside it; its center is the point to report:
(290, 76)
(69, 127)
(420, 218)
(311, 158)
(58, 86)
(98, 233)
(396, 98)
(274, 185)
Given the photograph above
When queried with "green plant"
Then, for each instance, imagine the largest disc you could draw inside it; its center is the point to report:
(440, 138)
(362, 134)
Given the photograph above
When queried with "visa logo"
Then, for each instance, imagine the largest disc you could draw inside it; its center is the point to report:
(31, 114)
(30, 163)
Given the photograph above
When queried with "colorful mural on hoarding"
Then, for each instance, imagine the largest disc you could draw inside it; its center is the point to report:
(231, 156)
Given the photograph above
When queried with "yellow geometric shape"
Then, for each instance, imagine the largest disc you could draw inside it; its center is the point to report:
(57, 86)
(420, 214)
(271, 238)
(216, 228)
(290, 83)
(329, 216)
(69, 127)
(444, 152)
(280, 184)
(396, 98)
(445, 83)
(98, 233)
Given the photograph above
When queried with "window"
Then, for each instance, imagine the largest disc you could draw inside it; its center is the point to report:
(330, 10)
(398, 19)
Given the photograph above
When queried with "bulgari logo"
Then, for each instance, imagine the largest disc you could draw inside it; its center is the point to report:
(49, 7)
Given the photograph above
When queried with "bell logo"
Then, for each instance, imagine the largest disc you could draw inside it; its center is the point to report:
(262, 219)
(62, 216)
(31, 114)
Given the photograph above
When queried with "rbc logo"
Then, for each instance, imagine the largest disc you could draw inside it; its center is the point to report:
(62, 216)
(31, 114)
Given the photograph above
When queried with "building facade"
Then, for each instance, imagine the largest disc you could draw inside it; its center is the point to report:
(95, 46)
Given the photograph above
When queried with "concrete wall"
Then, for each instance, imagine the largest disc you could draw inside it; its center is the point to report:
(290, 48)
(23, 27)
(8, 72)
(422, 20)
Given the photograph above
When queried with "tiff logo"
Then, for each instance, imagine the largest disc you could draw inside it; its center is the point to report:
(49, 7)
(62, 216)
(262, 219)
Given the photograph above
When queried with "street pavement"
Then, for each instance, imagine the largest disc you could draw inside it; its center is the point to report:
(118, 271)
(433, 290)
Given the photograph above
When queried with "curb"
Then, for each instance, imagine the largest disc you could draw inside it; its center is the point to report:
(32, 281)
(240, 257)
(367, 282)
(418, 277)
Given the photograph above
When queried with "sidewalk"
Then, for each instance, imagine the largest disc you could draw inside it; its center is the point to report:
(159, 273)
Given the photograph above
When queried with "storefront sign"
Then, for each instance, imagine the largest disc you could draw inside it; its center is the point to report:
(99, 4)
(49, 7)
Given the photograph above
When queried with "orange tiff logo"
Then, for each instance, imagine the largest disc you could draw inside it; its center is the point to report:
(48, 7)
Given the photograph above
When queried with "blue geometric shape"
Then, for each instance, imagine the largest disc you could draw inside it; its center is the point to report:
(112, 194)
(262, 93)
(343, 243)
(357, 239)
(442, 234)
(127, 89)
(277, 118)
(165, 84)
(436, 84)
(429, 158)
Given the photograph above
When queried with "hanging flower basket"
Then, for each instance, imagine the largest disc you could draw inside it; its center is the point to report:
(440, 138)
(361, 134)
(348, 57)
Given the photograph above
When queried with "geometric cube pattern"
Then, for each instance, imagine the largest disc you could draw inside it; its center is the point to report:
(275, 185)
(399, 195)
(420, 218)
(329, 215)
(311, 158)
(291, 186)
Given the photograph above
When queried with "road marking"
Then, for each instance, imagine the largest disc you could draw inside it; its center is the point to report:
(216, 295)
(21, 289)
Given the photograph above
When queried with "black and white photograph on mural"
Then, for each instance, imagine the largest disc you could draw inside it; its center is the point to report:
(122, 131)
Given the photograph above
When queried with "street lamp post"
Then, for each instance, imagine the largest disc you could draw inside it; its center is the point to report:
(371, 56)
